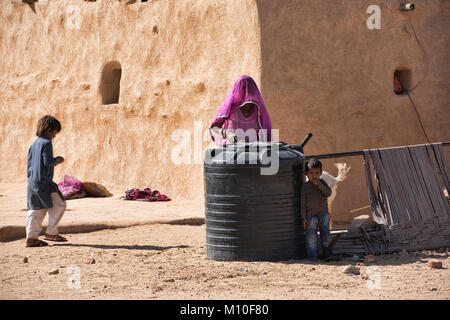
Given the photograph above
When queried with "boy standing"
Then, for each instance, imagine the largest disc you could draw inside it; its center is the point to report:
(314, 208)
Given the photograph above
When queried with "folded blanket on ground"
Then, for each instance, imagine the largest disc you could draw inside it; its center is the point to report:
(96, 190)
(71, 187)
(145, 195)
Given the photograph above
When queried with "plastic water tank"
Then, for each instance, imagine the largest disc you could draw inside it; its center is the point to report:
(252, 210)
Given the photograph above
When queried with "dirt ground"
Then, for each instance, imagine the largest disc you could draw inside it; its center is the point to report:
(168, 261)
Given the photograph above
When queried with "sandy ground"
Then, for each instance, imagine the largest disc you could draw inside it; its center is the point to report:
(168, 261)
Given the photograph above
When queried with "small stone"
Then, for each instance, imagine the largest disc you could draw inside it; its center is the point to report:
(54, 271)
(90, 261)
(360, 264)
(370, 258)
(355, 258)
(434, 264)
(404, 252)
(433, 289)
(350, 269)
(25, 260)
(440, 250)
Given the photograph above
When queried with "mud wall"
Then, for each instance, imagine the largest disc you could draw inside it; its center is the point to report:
(177, 60)
(319, 67)
(324, 71)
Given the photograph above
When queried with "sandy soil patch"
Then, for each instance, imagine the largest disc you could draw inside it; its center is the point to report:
(167, 261)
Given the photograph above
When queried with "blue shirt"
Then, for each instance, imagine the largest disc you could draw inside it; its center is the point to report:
(40, 169)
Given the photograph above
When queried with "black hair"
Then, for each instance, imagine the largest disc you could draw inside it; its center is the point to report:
(313, 163)
(46, 124)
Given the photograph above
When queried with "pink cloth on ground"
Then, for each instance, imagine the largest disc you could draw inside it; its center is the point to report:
(71, 188)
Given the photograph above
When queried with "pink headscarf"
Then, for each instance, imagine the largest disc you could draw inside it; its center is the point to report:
(245, 91)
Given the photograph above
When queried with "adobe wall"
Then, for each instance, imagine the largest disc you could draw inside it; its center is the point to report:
(319, 68)
(179, 59)
(325, 72)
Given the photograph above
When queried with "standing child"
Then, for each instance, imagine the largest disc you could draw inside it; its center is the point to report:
(314, 208)
(43, 194)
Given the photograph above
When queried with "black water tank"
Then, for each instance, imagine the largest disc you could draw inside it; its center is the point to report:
(249, 215)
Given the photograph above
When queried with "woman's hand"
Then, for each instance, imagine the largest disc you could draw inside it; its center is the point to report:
(229, 135)
(305, 223)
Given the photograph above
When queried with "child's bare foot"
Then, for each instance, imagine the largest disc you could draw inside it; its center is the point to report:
(56, 238)
(35, 243)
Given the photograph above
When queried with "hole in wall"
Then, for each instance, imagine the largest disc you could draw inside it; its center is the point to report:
(401, 80)
(110, 82)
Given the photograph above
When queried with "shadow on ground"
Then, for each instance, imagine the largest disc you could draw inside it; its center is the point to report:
(115, 247)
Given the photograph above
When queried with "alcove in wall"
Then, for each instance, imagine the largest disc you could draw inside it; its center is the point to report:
(401, 80)
(110, 82)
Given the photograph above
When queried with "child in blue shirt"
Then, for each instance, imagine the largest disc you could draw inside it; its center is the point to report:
(43, 194)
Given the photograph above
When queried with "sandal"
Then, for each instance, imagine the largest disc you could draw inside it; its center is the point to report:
(56, 238)
(35, 243)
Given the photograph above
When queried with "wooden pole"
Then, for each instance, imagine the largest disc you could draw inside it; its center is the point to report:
(353, 153)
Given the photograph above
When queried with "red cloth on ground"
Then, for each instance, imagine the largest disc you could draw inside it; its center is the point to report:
(145, 195)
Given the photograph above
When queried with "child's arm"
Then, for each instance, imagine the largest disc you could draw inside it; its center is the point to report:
(29, 163)
(324, 188)
(47, 156)
(303, 206)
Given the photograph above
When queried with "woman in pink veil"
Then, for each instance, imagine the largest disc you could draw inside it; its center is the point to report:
(242, 116)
